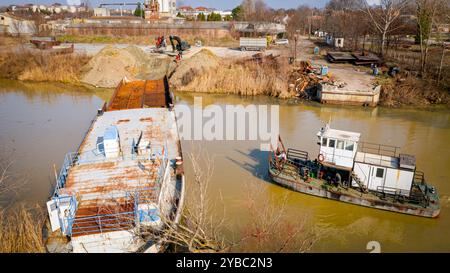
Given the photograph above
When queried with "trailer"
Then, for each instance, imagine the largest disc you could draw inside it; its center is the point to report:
(258, 44)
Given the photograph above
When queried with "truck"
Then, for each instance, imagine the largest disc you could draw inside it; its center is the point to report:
(259, 44)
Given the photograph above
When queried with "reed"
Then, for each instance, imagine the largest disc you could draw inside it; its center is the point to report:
(247, 78)
(40, 66)
(21, 229)
(412, 91)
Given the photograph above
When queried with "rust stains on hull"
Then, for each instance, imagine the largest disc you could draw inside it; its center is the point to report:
(304, 187)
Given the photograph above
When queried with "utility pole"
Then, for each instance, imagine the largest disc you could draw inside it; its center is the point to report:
(442, 62)
(310, 24)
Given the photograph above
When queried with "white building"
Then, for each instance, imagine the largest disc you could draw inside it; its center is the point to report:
(16, 26)
(167, 7)
(102, 12)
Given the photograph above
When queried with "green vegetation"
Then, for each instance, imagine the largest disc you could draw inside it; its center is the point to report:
(139, 12)
(214, 17)
(201, 17)
(424, 22)
(228, 18)
(238, 13)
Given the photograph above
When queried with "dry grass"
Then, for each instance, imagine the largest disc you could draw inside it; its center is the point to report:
(21, 230)
(412, 91)
(227, 41)
(247, 78)
(41, 66)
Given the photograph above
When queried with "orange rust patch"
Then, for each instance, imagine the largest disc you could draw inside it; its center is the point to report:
(149, 119)
(139, 94)
(123, 121)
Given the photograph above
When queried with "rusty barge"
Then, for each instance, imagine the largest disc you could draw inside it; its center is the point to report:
(365, 174)
(125, 184)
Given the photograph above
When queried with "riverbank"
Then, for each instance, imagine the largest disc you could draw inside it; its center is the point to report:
(411, 91)
(39, 66)
(203, 71)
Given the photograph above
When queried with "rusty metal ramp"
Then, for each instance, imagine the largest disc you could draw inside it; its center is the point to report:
(140, 94)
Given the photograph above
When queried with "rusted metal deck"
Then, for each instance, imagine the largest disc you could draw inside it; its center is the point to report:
(123, 176)
(140, 94)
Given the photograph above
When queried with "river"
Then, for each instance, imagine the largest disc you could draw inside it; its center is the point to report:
(40, 123)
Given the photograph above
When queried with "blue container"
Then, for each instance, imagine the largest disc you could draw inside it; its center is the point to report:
(316, 50)
(324, 70)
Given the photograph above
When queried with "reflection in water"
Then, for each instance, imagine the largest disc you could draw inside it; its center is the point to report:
(44, 123)
(39, 126)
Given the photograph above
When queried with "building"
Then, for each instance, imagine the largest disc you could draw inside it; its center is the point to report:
(155, 9)
(102, 12)
(190, 12)
(54, 8)
(14, 25)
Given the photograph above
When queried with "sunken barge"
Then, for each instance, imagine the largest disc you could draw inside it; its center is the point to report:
(125, 184)
(365, 174)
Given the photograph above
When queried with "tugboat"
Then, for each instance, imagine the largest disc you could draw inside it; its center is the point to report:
(365, 174)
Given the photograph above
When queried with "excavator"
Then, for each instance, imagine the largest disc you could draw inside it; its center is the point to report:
(179, 47)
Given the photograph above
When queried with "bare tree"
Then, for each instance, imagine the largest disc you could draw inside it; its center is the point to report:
(270, 229)
(256, 10)
(383, 17)
(429, 13)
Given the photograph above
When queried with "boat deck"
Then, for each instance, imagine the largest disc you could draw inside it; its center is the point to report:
(289, 177)
(140, 94)
(103, 186)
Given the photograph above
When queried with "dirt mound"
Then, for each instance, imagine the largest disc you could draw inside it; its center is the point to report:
(189, 68)
(111, 65)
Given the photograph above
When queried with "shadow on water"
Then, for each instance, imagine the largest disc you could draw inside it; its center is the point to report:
(258, 168)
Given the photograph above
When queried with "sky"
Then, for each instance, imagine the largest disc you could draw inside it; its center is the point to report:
(219, 4)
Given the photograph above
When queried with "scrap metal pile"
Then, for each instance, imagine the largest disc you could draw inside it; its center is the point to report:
(305, 78)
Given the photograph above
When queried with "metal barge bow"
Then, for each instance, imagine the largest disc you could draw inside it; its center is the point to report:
(370, 175)
(125, 180)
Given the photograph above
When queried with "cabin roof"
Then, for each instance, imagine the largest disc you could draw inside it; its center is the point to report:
(339, 134)
(378, 160)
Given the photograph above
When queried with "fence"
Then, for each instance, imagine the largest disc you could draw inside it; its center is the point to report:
(72, 225)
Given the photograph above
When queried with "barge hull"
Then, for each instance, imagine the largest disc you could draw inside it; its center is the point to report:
(341, 196)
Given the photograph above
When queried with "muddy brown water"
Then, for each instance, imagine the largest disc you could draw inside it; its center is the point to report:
(40, 123)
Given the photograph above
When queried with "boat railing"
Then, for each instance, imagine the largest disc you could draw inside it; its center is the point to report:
(101, 223)
(392, 191)
(159, 152)
(378, 149)
(419, 178)
(297, 155)
(65, 224)
(404, 195)
(108, 222)
(69, 161)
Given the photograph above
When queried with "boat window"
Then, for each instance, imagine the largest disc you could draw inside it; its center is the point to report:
(332, 143)
(349, 145)
(324, 141)
(380, 173)
(340, 144)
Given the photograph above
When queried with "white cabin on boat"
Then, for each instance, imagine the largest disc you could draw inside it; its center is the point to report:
(338, 147)
(378, 167)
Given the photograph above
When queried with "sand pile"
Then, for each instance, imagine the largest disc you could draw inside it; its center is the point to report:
(111, 65)
(188, 69)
